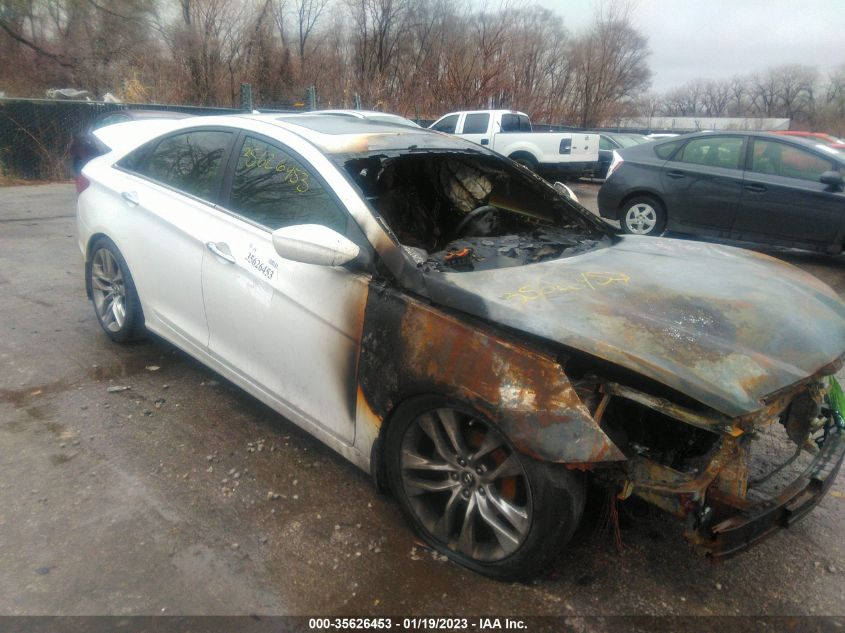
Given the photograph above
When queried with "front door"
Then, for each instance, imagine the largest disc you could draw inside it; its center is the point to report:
(476, 128)
(784, 198)
(292, 330)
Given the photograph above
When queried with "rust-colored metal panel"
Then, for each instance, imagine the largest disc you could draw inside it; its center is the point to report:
(411, 348)
(724, 326)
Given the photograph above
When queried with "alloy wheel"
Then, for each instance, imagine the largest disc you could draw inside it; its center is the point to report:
(641, 218)
(109, 290)
(466, 485)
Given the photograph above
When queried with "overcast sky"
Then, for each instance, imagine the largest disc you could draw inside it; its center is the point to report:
(721, 38)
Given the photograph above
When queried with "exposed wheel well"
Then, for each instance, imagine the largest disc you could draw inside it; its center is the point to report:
(88, 253)
(638, 194)
(525, 156)
(377, 458)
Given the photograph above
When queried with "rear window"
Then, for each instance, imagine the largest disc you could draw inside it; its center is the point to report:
(191, 161)
(515, 123)
(665, 150)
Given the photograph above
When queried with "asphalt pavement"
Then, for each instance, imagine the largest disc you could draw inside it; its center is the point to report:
(180, 494)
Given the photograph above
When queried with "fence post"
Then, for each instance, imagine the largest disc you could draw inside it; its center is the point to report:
(246, 97)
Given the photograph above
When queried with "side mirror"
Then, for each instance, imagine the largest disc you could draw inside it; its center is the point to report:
(314, 244)
(832, 179)
(565, 192)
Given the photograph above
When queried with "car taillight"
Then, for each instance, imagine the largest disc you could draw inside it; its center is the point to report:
(81, 183)
(614, 164)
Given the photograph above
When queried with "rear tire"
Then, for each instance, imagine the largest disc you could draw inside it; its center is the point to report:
(113, 293)
(472, 497)
(643, 215)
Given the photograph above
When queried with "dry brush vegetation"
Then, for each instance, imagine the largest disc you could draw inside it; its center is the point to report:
(419, 58)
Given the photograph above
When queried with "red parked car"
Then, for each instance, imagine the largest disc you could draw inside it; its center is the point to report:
(827, 139)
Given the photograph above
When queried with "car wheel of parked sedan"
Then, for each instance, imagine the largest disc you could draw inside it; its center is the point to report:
(473, 497)
(644, 215)
(113, 293)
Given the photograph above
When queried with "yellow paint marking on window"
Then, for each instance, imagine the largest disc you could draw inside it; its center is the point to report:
(292, 175)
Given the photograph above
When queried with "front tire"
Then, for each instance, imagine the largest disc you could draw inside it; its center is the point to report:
(527, 161)
(113, 293)
(472, 496)
(643, 215)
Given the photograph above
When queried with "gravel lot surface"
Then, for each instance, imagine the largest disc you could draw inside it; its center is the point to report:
(183, 495)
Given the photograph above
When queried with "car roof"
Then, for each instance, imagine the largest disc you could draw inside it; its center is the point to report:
(334, 134)
(809, 143)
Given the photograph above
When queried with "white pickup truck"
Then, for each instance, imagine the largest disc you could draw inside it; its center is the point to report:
(509, 132)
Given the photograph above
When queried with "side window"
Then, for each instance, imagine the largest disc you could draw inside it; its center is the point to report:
(780, 159)
(510, 123)
(665, 150)
(604, 143)
(191, 161)
(274, 189)
(476, 123)
(713, 151)
(446, 125)
(524, 123)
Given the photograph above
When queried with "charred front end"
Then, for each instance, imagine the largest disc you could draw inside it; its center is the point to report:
(733, 481)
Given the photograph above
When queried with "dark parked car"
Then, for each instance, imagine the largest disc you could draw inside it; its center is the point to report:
(611, 141)
(751, 187)
(87, 145)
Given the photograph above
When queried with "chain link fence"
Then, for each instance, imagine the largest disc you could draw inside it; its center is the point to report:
(36, 135)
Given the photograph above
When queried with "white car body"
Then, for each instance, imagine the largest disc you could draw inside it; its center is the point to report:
(130, 134)
(225, 321)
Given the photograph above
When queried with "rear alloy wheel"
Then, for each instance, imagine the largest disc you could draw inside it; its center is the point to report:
(113, 293)
(473, 497)
(644, 216)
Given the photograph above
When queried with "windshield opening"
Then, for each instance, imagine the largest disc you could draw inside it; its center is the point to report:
(462, 211)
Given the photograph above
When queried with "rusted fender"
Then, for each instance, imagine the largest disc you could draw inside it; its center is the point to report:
(410, 348)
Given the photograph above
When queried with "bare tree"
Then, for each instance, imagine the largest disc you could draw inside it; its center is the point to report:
(610, 59)
(308, 13)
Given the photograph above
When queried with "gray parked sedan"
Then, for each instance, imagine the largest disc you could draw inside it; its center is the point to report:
(746, 186)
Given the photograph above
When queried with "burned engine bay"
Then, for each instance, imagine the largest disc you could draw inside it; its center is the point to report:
(463, 210)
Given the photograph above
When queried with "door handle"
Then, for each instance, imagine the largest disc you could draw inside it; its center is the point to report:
(485, 141)
(676, 174)
(131, 197)
(755, 188)
(226, 257)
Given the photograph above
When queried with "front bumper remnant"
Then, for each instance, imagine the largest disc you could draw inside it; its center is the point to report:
(752, 524)
(711, 492)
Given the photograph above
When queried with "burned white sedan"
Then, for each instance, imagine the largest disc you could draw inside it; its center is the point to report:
(484, 347)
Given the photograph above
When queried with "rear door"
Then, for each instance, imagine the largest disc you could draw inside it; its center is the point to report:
(783, 197)
(167, 192)
(291, 330)
(702, 183)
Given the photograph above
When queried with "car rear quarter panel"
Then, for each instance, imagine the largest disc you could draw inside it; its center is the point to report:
(627, 181)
